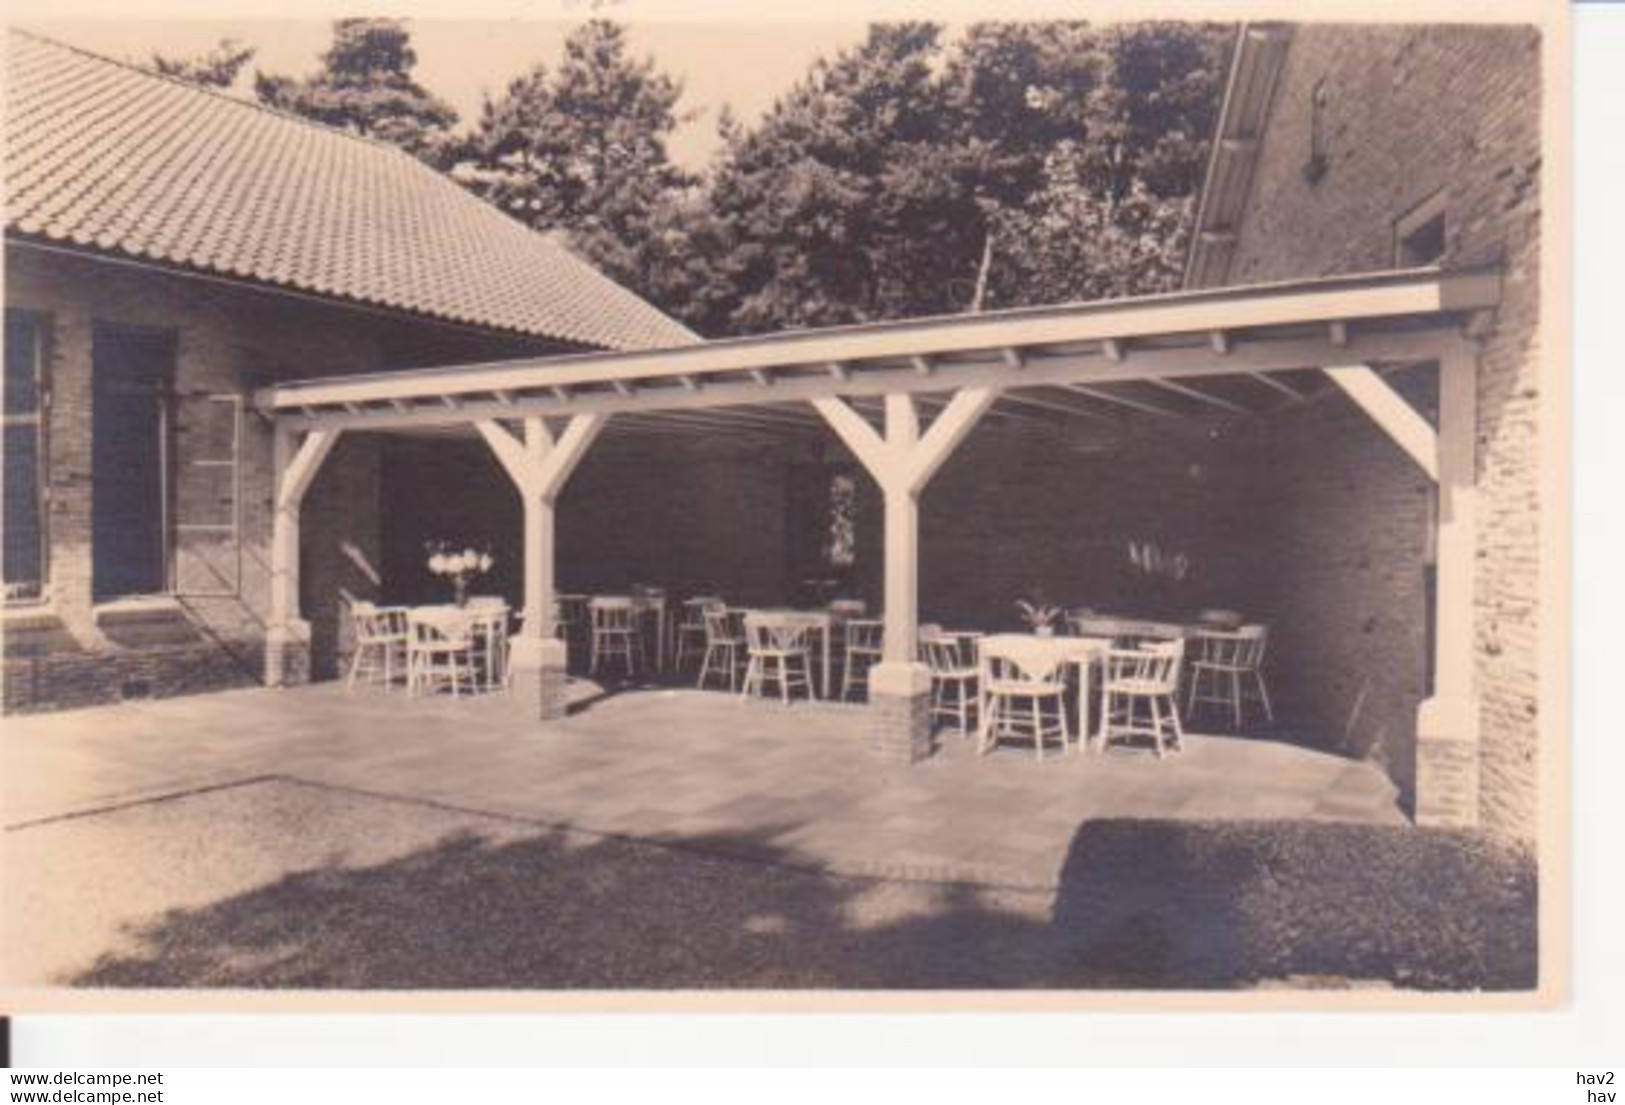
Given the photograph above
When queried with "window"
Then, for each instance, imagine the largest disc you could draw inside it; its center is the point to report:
(26, 400)
(132, 386)
(1419, 234)
(207, 558)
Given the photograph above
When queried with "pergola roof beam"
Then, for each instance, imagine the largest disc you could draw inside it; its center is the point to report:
(1121, 400)
(1201, 396)
(1282, 355)
(1051, 405)
(861, 356)
(1279, 385)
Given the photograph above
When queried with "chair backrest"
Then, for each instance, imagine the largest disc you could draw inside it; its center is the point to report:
(488, 616)
(721, 626)
(943, 651)
(694, 609)
(612, 612)
(1257, 639)
(439, 626)
(865, 634)
(570, 609)
(763, 631)
(1239, 648)
(849, 608)
(1154, 666)
(1012, 659)
(377, 624)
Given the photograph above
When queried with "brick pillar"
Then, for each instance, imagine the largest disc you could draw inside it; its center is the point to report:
(287, 655)
(539, 676)
(1447, 758)
(900, 711)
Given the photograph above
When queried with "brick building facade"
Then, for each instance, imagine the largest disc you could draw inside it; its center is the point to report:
(1373, 135)
(147, 297)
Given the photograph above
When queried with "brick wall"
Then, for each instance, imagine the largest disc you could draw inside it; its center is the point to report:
(1410, 112)
(697, 516)
(231, 340)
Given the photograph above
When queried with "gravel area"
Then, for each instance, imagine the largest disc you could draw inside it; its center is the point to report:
(282, 884)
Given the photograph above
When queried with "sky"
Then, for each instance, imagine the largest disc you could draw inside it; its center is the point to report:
(745, 65)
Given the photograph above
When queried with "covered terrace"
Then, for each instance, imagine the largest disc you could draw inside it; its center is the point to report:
(902, 398)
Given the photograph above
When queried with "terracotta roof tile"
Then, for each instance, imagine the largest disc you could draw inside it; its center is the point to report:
(106, 156)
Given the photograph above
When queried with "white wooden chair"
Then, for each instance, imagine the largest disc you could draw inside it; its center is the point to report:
(381, 636)
(1024, 695)
(848, 608)
(614, 624)
(863, 645)
(724, 644)
(570, 617)
(1147, 677)
(693, 639)
(440, 652)
(955, 677)
(1230, 664)
(489, 634)
(780, 652)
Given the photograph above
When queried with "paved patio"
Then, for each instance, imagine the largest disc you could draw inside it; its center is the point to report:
(689, 768)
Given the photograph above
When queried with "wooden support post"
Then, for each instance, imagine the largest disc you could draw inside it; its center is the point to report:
(1447, 768)
(1389, 410)
(287, 636)
(902, 462)
(539, 467)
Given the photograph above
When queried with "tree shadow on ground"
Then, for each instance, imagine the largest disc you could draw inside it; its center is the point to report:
(1140, 905)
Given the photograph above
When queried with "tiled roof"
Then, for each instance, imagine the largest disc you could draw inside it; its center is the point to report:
(104, 156)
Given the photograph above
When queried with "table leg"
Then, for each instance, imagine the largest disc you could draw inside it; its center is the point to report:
(1100, 732)
(1083, 705)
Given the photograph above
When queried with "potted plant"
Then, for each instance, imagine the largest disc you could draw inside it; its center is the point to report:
(1039, 615)
(458, 567)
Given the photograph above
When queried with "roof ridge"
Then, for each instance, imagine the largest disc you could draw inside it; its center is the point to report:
(254, 104)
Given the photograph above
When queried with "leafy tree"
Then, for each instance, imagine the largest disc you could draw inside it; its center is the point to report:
(216, 69)
(823, 192)
(365, 85)
(582, 149)
(1061, 156)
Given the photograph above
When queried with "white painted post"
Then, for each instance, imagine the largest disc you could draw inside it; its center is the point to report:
(287, 635)
(902, 463)
(539, 467)
(539, 567)
(1447, 723)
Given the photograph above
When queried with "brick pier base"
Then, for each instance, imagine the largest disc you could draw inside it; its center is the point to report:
(539, 677)
(1447, 758)
(900, 711)
(287, 657)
